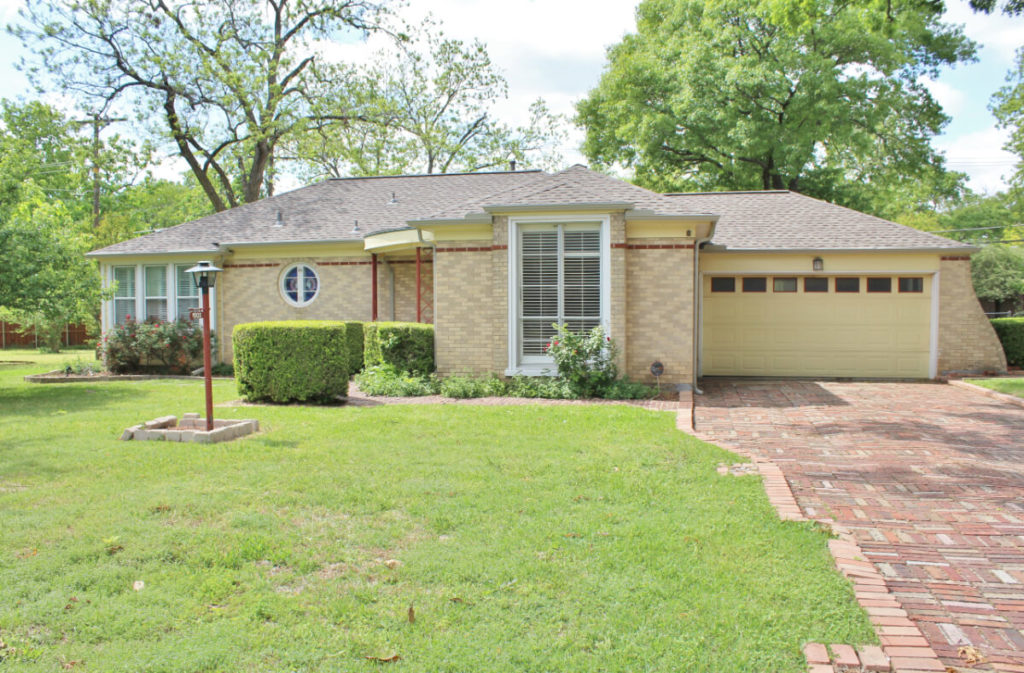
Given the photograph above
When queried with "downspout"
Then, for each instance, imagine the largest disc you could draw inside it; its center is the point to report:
(698, 293)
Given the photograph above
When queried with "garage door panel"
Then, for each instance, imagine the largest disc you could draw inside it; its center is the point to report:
(810, 334)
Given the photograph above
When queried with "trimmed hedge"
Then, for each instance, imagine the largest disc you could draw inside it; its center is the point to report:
(295, 360)
(355, 345)
(406, 346)
(1011, 334)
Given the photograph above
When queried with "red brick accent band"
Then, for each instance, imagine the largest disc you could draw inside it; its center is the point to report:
(488, 248)
(956, 259)
(366, 263)
(248, 266)
(654, 246)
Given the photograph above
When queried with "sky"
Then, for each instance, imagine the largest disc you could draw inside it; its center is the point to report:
(555, 49)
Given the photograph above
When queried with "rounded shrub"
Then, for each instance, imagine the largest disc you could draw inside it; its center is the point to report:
(296, 360)
(406, 346)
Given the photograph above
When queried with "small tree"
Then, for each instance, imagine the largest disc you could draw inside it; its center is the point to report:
(45, 279)
(998, 273)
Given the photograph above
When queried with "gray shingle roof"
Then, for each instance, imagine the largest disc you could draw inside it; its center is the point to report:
(326, 211)
(576, 185)
(782, 220)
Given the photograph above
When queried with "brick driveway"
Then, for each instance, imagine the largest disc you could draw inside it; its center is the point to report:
(929, 478)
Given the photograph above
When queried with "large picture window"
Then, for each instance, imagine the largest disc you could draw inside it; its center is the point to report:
(560, 280)
(152, 292)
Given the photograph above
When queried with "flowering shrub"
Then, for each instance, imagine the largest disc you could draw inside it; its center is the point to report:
(585, 361)
(173, 347)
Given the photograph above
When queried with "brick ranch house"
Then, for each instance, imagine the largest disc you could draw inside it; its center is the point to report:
(768, 283)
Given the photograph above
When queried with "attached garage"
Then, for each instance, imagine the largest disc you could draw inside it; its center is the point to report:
(817, 325)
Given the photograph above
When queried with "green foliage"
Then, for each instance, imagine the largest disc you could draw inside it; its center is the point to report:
(356, 347)
(179, 65)
(294, 361)
(974, 218)
(149, 206)
(585, 361)
(426, 107)
(818, 96)
(1011, 335)
(45, 279)
(465, 387)
(997, 272)
(386, 381)
(1008, 107)
(174, 347)
(406, 346)
(540, 387)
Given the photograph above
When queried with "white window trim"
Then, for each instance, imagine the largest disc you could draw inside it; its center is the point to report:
(107, 313)
(284, 294)
(515, 367)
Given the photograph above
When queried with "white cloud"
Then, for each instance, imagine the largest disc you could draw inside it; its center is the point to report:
(997, 34)
(949, 97)
(980, 155)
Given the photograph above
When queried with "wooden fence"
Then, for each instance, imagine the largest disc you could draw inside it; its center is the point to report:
(11, 336)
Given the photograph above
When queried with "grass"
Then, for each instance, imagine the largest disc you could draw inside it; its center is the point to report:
(1009, 386)
(527, 538)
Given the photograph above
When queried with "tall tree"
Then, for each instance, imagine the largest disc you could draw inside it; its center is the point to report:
(1008, 107)
(426, 107)
(810, 95)
(225, 80)
(998, 273)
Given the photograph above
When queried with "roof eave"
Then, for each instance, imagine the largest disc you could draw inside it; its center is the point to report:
(99, 254)
(715, 247)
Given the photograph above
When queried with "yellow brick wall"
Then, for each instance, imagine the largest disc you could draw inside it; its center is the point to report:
(967, 342)
(405, 289)
(249, 292)
(499, 295)
(617, 310)
(659, 309)
(468, 320)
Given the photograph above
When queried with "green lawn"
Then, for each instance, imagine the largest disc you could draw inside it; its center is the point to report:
(1009, 386)
(528, 539)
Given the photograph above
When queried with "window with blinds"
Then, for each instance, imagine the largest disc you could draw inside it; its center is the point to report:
(124, 295)
(560, 282)
(156, 292)
(186, 292)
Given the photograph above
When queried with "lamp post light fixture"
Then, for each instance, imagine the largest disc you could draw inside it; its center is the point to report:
(818, 264)
(204, 274)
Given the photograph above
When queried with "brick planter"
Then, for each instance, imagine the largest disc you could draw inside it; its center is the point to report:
(192, 428)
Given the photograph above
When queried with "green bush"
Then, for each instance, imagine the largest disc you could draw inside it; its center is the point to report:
(355, 345)
(168, 347)
(387, 381)
(406, 346)
(586, 361)
(1011, 334)
(543, 387)
(464, 387)
(294, 361)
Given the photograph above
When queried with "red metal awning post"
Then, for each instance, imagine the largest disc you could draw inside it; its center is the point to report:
(419, 294)
(373, 286)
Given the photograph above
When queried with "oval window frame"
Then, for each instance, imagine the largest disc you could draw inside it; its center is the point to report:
(284, 291)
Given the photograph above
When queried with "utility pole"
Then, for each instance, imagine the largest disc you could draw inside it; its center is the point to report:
(97, 122)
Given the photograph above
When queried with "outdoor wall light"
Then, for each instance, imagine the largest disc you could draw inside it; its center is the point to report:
(818, 264)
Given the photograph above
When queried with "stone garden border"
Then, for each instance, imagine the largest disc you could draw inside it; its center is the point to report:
(192, 428)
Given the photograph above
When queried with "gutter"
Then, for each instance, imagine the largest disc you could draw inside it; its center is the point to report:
(698, 293)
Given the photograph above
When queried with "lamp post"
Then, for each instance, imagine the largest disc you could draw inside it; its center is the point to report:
(204, 274)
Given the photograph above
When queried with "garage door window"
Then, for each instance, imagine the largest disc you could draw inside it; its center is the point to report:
(847, 284)
(723, 284)
(911, 284)
(784, 284)
(815, 284)
(755, 284)
(879, 284)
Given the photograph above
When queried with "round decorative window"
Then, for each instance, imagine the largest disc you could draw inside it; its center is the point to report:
(299, 285)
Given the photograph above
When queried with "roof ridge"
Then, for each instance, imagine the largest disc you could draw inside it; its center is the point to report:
(731, 191)
(429, 175)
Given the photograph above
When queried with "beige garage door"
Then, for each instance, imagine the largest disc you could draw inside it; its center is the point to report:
(857, 326)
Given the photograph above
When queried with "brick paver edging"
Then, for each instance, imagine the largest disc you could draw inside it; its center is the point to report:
(904, 648)
(994, 394)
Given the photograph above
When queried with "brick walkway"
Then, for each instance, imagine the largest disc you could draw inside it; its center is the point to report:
(928, 478)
